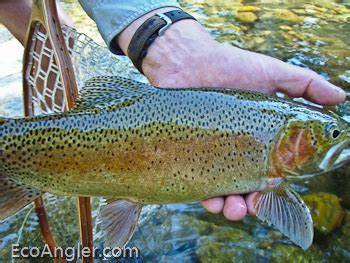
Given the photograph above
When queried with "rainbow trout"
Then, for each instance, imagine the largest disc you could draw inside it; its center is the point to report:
(135, 144)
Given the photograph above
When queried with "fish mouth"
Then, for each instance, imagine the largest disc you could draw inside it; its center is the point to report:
(343, 158)
(332, 157)
(337, 156)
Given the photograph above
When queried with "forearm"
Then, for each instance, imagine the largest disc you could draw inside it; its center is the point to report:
(124, 38)
(15, 15)
(16, 24)
(114, 16)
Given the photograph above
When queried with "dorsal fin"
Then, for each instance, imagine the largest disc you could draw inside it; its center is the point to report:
(104, 92)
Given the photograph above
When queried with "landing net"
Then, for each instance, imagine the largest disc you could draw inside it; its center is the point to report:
(88, 59)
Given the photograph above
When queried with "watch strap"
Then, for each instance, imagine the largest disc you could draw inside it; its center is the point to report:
(152, 28)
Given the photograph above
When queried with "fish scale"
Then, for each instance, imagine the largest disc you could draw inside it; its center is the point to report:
(129, 141)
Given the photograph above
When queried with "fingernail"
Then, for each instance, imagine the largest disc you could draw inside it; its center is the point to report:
(339, 90)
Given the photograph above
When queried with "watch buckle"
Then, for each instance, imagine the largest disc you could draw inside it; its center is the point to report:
(168, 23)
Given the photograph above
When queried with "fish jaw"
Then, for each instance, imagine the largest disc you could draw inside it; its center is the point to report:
(332, 156)
(343, 158)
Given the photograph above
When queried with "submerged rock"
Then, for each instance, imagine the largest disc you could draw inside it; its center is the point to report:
(337, 182)
(288, 253)
(326, 211)
(315, 8)
(220, 240)
(216, 20)
(247, 8)
(226, 245)
(284, 27)
(282, 14)
(345, 76)
(246, 17)
(342, 185)
(212, 251)
(221, 3)
(338, 247)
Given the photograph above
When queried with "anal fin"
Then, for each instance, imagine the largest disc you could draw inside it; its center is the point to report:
(284, 209)
(14, 196)
(119, 221)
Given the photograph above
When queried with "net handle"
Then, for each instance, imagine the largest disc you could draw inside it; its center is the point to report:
(45, 12)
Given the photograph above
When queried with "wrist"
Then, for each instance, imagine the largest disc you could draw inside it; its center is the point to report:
(171, 58)
(124, 38)
(174, 59)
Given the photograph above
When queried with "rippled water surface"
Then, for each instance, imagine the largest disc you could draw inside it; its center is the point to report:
(315, 35)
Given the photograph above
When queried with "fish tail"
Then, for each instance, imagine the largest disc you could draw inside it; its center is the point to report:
(13, 194)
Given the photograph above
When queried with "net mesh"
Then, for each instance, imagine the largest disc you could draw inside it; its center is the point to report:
(42, 74)
(88, 60)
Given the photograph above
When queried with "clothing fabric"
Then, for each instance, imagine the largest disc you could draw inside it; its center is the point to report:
(113, 16)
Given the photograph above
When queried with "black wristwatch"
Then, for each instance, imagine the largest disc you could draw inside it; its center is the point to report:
(152, 28)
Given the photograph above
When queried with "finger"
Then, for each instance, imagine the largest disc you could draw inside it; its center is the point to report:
(235, 207)
(324, 93)
(300, 82)
(250, 201)
(214, 205)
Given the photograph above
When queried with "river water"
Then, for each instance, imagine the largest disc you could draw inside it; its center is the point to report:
(314, 35)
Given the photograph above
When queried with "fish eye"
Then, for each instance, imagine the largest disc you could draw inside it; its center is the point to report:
(332, 131)
(335, 133)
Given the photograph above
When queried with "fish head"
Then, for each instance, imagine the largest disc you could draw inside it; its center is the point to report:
(309, 146)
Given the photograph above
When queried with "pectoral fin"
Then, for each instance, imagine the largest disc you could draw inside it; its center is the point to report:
(284, 209)
(119, 220)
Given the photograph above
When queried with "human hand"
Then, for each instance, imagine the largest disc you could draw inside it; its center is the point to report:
(187, 56)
